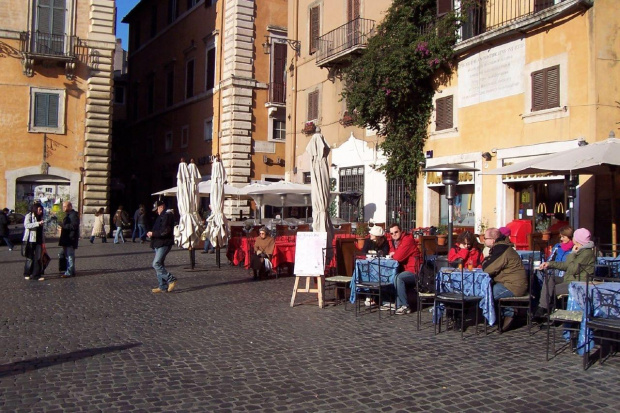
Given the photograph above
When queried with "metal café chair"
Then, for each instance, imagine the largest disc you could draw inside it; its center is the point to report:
(372, 282)
(425, 285)
(521, 302)
(339, 282)
(602, 310)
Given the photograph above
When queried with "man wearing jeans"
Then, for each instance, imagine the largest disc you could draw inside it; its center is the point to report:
(506, 269)
(404, 249)
(69, 237)
(162, 238)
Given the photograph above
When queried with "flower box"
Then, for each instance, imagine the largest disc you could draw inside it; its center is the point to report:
(309, 127)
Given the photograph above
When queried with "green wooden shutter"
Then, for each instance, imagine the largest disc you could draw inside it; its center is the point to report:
(46, 107)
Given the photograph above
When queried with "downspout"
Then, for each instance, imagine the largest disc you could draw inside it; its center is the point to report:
(220, 46)
(294, 105)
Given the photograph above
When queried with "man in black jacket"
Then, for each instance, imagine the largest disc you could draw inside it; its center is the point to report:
(4, 228)
(162, 238)
(69, 237)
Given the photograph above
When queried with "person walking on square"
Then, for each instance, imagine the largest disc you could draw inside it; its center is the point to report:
(99, 227)
(34, 239)
(142, 224)
(69, 237)
(162, 238)
(136, 228)
(4, 228)
(120, 220)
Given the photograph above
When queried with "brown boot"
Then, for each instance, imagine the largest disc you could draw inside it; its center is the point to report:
(507, 323)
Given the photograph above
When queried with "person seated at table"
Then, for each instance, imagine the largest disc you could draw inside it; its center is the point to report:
(404, 249)
(263, 249)
(560, 251)
(579, 263)
(376, 244)
(506, 269)
(465, 250)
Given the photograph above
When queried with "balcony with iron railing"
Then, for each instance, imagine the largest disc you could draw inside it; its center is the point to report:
(349, 38)
(486, 16)
(48, 46)
(277, 93)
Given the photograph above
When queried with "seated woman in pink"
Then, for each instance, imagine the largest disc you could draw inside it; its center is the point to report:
(465, 249)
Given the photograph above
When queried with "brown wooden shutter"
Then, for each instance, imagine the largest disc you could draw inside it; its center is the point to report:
(553, 87)
(314, 28)
(313, 105)
(443, 113)
(538, 90)
(353, 9)
(444, 6)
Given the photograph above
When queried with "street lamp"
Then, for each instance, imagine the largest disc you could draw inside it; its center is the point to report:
(295, 44)
(450, 178)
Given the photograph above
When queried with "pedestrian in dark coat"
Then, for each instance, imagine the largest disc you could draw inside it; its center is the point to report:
(4, 228)
(69, 237)
(162, 239)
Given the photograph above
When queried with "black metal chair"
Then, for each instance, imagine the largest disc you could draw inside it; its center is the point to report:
(340, 283)
(521, 302)
(373, 284)
(602, 309)
(425, 286)
(451, 296)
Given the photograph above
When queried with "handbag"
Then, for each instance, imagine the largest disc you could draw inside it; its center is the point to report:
(45, 258)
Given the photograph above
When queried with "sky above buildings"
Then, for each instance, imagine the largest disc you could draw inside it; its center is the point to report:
(122, 30)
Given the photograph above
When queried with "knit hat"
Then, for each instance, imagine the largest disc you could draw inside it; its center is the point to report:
(264, 229)
(377, 231)
(505, 231)
(582, 236)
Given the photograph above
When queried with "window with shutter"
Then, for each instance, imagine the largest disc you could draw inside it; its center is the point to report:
(50, 27)
(444, 6)
(444, 113)
(189, 79)
(313, 105)
(278, 80)
(173, 10)
(314, 28)
(546, 88)
(46, 111)
(353, 9)
(169, 88)
(210, 69)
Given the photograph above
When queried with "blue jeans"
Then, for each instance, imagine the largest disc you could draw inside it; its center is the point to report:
(208, 246)
(8, 242)
(142, 231)
(163, 276)
(402, 282)
(499, 291)
(70, 255)
(119, 233)
(135, 232)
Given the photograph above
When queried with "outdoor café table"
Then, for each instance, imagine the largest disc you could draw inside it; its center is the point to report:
(387, 267)
(235, 252)
(576, 302)
(613, 263)
(283, 253)
(475, 282)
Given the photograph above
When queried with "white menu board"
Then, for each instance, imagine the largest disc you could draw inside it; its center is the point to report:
(309, 253)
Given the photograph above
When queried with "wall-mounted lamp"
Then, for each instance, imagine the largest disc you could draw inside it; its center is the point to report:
(581, 142)
(265, 159)
(295, 44)
(487, 156)
(334, 166)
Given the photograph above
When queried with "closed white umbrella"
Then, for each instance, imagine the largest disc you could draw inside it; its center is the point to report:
(319, 151)
(187, 233)
(217, 224)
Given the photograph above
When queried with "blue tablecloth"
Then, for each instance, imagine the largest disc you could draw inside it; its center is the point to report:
(613, 263)
(368, 270)
(576, 302)
(474, 283)
(525, 255)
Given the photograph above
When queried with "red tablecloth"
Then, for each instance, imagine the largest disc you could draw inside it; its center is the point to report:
(240, 250)
(283, 253)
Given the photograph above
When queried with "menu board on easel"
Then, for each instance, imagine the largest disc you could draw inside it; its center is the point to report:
(310, 263)
(309, 253)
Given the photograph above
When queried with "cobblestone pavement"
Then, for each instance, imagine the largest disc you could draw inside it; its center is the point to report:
(222, 342)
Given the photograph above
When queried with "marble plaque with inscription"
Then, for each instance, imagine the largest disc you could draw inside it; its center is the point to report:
(264, 147)
(492, 74)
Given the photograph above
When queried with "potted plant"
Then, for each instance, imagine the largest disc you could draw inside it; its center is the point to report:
(309, 127)
(483, 225)
(361, 231)
(543, 223)
(442, 234)
(347, 119)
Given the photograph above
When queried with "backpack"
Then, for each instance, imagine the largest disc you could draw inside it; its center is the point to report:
(427, 277)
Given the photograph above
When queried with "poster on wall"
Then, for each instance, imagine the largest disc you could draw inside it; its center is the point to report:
(464, 206)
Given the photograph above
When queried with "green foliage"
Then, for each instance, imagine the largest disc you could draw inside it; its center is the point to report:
(442, 229)
(22, 207)
(361, 229)
(332, 210)
(390, 88)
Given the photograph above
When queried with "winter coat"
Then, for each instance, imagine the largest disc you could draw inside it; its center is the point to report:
(407, 253)
(578, 264)
(70, 230)
(121, 218)
(163, 230)
(469, 256)
(505, 266)
(99, 227)
(31, 223)
(4, 224)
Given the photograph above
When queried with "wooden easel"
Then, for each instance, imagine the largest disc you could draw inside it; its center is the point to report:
(318, 279)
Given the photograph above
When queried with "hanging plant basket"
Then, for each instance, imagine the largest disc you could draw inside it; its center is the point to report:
(309, 128)
(347, 119)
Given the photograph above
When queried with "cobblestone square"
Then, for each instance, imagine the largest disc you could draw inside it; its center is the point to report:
(221, 342)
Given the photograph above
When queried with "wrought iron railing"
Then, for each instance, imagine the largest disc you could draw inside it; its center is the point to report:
(486, 15)
(349, 36)
(46, 44)
(277, 92)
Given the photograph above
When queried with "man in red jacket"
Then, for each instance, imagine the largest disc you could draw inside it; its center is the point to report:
(404, 249)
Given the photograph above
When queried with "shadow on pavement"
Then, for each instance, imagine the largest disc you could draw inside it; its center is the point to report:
(20, 367)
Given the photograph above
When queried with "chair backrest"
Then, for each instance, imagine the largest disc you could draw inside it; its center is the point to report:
(429, 245)
(451, 281)
(345, 253)
(342, 228)
(602, 297)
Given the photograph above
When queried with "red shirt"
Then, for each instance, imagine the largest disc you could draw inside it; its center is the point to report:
(407, 253)
(472, 256)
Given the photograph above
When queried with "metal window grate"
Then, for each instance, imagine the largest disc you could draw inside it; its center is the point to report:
(400, 205)
(352, 179)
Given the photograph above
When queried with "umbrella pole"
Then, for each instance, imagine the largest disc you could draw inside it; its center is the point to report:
(613, 214)
(217, 255)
